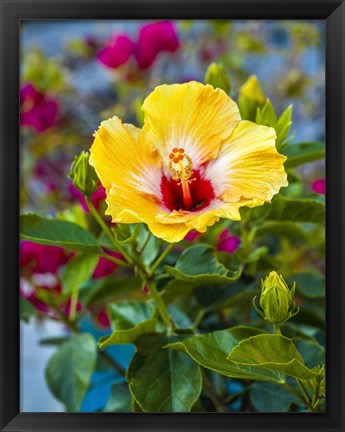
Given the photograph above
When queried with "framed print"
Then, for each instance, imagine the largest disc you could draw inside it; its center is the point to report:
(171, 258)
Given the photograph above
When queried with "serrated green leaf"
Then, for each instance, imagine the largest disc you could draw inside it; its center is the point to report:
(77, 272)
(126, 314)
(57, 233)
(163, 380)
(272, 352)
(302, 153)
(199, 263)
(69, 370)
(211, 351)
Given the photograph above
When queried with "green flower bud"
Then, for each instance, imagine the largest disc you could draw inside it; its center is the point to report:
(216, 76)
(83, 174)
(276, 300)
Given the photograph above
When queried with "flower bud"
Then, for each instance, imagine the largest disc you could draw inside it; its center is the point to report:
(216, 75)
(276, 300)
(83, 174)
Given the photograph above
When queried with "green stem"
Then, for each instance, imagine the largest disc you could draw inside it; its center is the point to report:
(217, 401)
(106, 229)
(141, 250)
(74, 329)
(198, 319)
(160, 259)
(304, 392)
(277, 329)
(160, 304)
(116, 260)
(73, 306)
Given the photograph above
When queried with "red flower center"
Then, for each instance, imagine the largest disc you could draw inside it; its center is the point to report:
(201, 192)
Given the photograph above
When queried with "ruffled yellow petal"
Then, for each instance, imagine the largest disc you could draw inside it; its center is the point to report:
(121, 154)
(248, 169)
(193, 116)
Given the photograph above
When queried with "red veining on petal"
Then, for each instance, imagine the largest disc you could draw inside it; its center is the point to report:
(201, 191)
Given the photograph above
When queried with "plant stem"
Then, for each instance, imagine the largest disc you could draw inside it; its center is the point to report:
(198, 319)
(160, 304)
(145, 242)
(160, 259)
(277, 329)
(116, 261)
(217, 401)
(74, 328)
(304, 392)
(106, 229)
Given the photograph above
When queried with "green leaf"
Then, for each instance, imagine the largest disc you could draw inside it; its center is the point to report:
(120, 400)
(271, 397)
(199, 263)
(309, 285)
(110, 289)
(26, 309)
(130, 319)
(211, 351)
(126, 314)
(69, 370)
(283, 126)
(54, 341)
(295, 210)
(176, 288)
(280, 229)
(273, 352)
(163, 380)
(57, 233)
(266, 115)
(312, 352)
(151, 249)
(299, 154)
(77, 272)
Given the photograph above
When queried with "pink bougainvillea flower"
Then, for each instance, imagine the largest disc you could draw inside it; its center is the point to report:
(106, 267)
(319, 186)
(227, 242)
(42, 258)
(97, 198)
(153, 39)
(193, 162)
(102, 319)
(37, 110)
(191, 236)
(39, 265)
(117, 52)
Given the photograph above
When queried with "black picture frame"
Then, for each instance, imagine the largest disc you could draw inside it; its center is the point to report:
(12, 12)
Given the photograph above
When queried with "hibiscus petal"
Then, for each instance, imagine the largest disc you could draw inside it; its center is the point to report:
(248, 169)
(192, 116)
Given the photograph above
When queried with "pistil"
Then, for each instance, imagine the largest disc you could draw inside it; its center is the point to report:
(182, 170)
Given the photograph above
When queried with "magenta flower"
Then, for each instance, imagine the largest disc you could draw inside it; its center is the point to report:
(117, 52)
(42, 258)
(227, 242)
(153, 39)
(319, 186)
(106, 267)
(37, 110)
(102, 319)
(97, 198)
(39, 265)
(192, 235)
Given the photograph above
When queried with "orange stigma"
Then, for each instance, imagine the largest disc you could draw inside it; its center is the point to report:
(181, 166)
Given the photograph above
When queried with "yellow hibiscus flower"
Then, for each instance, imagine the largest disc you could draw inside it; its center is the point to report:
(193, 162)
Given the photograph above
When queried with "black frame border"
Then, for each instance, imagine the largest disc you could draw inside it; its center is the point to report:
(12, 12)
